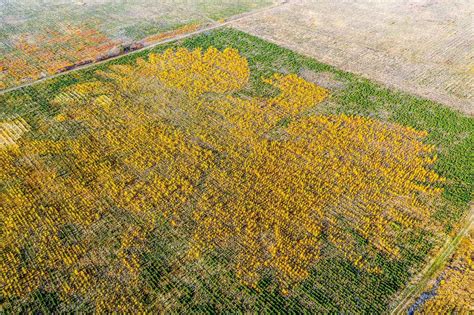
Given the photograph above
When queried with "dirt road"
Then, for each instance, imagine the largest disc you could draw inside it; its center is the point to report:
(414, 290)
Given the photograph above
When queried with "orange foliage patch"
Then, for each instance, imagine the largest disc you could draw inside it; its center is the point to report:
(162, 36)
(52, 52)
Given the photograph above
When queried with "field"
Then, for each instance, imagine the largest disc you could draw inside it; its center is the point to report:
(223, 173)
(40, 39)
(417, 46)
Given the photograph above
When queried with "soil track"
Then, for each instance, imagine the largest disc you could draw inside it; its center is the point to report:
(412, 291)
(419, 46)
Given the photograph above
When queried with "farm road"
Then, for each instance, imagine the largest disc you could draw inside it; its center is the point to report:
(424, 47)
(414, 290)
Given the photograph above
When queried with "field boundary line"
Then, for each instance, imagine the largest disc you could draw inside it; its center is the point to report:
(216, 25)
(436, 263)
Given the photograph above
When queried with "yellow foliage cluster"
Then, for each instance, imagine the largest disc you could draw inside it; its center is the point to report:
(336, 175)
(152, 39)
(196, 73)
(72, 221)
(296, 92)
(456, 290)
(169, 138)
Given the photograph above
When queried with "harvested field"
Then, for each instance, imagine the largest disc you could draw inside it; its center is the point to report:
(10, 131)
(421, 47)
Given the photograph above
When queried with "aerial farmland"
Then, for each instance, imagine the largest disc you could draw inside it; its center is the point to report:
(207, 157)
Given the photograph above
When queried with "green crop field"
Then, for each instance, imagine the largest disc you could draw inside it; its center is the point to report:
(223, 173)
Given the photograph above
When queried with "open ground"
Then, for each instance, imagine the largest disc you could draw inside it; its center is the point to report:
(422, 47)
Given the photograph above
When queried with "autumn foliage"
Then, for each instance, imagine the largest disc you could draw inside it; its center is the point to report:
(54, 50)
(456, 288)
(172, 137)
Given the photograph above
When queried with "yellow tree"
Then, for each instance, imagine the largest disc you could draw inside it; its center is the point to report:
(171, 137)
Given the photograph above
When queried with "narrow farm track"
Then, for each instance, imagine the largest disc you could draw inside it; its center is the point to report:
(215, 25)
(414, 290)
